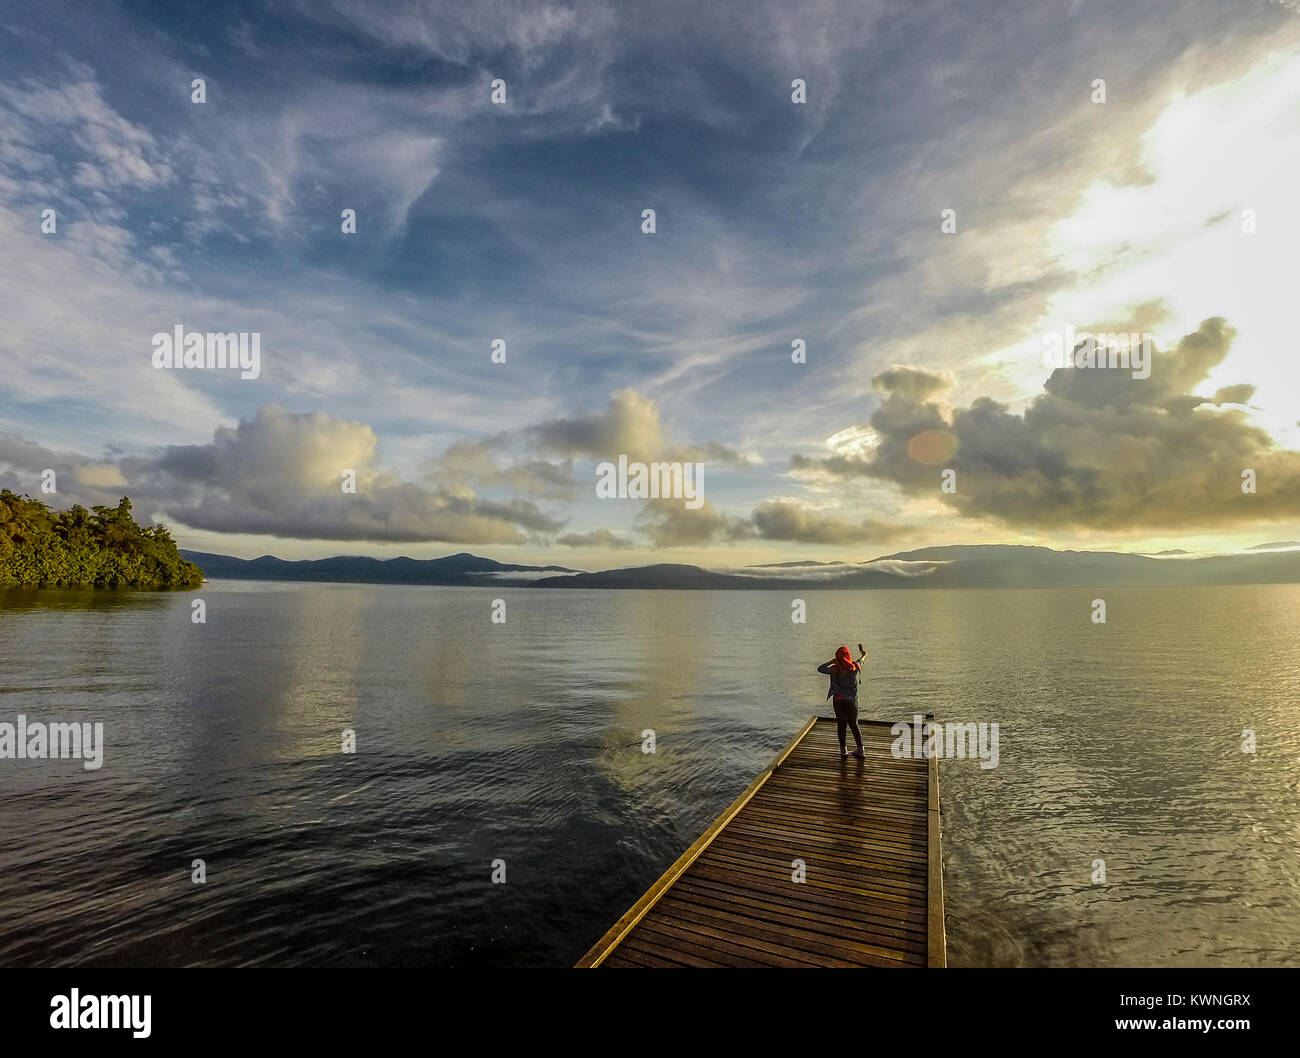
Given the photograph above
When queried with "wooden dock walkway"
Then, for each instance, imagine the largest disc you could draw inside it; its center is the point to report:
(868, 835)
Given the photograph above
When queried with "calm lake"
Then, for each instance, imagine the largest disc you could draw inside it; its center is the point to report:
(522, 742)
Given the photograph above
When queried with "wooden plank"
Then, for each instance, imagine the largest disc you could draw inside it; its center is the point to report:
(862, 888)
(825, 906)
(645, 956)
(789, 833)
(910, 830)
(909, 916)
(848, 855)
(638, 911)
(808, 934)
(869, 832)
(938, 942)
(682, 950)
(849, 824)
(819, 918)
(906, 828)
(896, 845)
(728, 949)
(789, 937)
(791, 792)
(629, 957)
(828, 866)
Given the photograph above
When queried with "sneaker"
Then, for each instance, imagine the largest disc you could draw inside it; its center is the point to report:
(844, 754)
(858, 755)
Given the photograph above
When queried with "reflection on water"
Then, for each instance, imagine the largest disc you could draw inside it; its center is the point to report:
(522, 742)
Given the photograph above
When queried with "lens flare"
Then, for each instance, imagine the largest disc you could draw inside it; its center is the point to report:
(930, 447)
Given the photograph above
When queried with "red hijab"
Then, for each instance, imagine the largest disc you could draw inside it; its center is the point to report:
(845, 660)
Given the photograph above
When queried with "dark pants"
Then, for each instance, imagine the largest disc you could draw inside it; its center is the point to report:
(846, 716)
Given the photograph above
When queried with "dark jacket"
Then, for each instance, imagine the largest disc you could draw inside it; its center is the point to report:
(843, 684)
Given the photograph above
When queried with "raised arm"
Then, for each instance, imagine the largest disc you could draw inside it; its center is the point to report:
(825, 669)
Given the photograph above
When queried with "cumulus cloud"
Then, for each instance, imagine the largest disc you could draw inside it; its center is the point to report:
(99, 476)
(281, 473)
(629, 425)
(790, 521)
(482, 463)
(668, 523)
(1239, 394)
(96, 479)
(27, 455)
(604, 538)
(912, 384)
(1098, 448)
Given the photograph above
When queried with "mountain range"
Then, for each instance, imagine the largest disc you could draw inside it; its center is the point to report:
(951, 566)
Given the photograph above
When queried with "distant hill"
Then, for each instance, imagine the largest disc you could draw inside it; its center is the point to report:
(967, 566)
(459, 569)
(793, 565)
(666, 575)
(1275, 545)
(953, 566)
(1010, 565)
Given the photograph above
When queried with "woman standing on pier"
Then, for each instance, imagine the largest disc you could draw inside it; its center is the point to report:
(844, 673)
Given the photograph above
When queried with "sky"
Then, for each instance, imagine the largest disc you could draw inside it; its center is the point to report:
(1109, 167)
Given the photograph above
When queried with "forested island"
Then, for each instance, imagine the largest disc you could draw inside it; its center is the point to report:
(78, 548)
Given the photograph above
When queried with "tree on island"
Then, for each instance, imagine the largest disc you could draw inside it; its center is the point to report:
(78, 548)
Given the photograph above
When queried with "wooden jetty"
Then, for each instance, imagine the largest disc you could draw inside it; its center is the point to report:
(867, 833)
